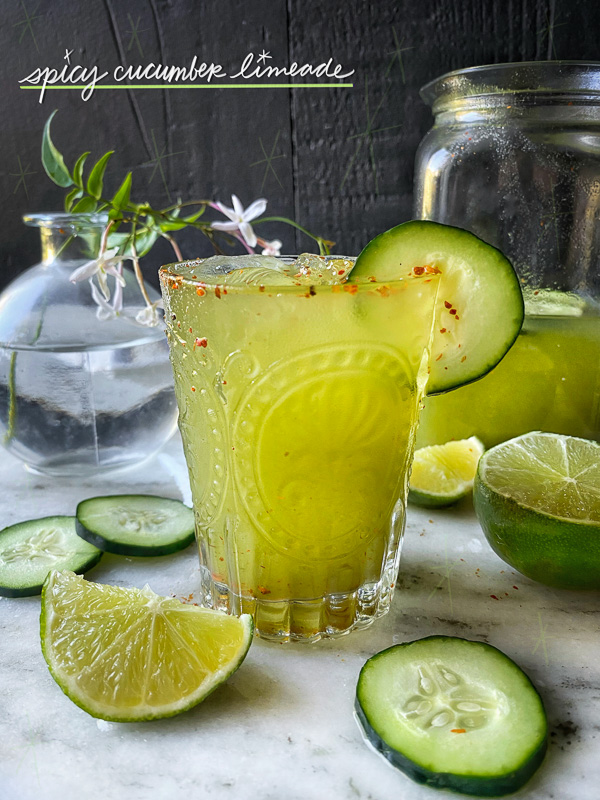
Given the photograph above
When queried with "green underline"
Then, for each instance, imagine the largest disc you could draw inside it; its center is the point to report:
(201, 86)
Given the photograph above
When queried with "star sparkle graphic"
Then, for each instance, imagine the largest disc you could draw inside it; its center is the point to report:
(365, 137)
(134, 31)
(158, 163)
(268, 161)
(26, 23)
(22, 175)
(263, 56)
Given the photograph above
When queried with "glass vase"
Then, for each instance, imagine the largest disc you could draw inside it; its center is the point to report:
(79, 394)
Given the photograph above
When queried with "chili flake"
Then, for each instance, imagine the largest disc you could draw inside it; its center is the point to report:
(203, 342)
(442, 330)
(217, 292)
(447, 304)
(200, 292)
(458, 730)
(440, 355)
(452, 311)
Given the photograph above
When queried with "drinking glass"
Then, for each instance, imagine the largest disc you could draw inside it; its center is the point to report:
(298, 411)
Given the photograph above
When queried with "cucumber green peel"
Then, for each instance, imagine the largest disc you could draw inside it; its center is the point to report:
(480, 305)
(453, 714)
(135, 524)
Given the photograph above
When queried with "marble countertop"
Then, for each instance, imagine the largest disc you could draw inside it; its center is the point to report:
(282, 727)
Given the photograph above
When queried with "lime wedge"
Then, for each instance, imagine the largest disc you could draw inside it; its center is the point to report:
(128, 654)
(480, 304)
(537, 498)
(443, 473)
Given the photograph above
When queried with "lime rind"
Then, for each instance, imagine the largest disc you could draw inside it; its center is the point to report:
(138, 648)
(556, 550)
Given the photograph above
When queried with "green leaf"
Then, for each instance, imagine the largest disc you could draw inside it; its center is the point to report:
(195, 216)
(52, 160)
(78, 170)
(121, 198)
(73, 195)
(85, 206)
(116, 239)
(94, 184)
(145, 239)
(170, 223)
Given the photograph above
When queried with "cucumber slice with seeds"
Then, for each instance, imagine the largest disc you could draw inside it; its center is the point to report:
(480, 308)
(453, 714)
(136, 524)
(30, 550)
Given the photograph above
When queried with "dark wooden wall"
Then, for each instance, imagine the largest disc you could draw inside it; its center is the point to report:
(342, 159)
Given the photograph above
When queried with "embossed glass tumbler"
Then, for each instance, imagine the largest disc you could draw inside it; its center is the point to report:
(298, 412)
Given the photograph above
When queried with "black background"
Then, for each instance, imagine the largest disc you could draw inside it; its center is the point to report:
(343, 158)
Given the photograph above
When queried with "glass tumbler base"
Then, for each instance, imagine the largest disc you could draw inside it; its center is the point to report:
(304, 620)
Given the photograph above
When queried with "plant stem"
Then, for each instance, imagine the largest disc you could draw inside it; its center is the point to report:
(174, 245)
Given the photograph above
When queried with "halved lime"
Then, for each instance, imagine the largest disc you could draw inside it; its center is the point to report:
(128, 654)
(480, 305)
(443, 473)
(537, 498)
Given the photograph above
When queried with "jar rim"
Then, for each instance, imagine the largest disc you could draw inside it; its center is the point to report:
(563, 78)
(62, 219)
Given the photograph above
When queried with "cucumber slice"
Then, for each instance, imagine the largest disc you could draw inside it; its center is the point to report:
(453, 714)
(30, 550)
(135, 524)
(480, 305)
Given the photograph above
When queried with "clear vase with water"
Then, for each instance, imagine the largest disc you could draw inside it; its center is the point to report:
(79, 395)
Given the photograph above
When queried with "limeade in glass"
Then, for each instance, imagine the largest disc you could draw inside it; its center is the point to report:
(549, 380)
(299, 396)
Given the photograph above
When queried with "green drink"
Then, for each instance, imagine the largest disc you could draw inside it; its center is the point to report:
(299, 399)
(549, 380)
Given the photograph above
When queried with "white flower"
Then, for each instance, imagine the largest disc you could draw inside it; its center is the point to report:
(106, 264)
(104, 311)
(240, 218)
(149, 314)
(272, 248)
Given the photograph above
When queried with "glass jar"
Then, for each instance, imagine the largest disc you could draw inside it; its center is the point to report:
(514, 157)
(79, 395)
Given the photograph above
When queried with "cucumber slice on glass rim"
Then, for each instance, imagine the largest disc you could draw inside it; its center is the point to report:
(30, 550)
(480, 305)
(135, 524)
(453, 714)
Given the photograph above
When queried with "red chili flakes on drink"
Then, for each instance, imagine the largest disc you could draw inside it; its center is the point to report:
(217, 292)
(200, 342)
(200, 291)
(447, 304)
(458, 730)
(351, 288)
(452, 311)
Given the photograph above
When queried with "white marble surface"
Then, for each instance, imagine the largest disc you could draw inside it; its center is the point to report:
(282, 728)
